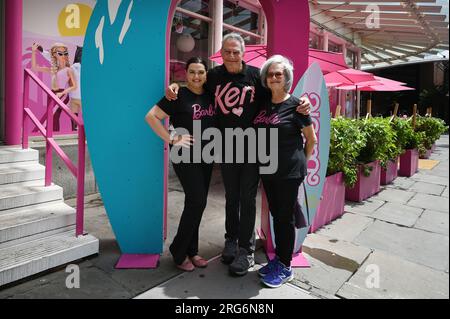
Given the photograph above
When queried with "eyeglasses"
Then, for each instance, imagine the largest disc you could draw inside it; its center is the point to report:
(62, 53)
(278, 75)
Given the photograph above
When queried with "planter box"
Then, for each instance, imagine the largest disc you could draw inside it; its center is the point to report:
(427, 154)
(390, 173)
(365, 187)
(331, 205)
(409, 163)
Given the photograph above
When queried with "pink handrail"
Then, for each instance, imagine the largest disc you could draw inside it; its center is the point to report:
(78, 171)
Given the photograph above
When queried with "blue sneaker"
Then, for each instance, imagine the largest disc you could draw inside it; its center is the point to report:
(267, 269)
(280, 275)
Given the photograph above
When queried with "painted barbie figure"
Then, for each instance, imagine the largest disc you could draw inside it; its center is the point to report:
(75, 96)
(63, 78)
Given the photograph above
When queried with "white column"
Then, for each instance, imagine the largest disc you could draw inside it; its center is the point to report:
(344, 50)
(217, 24)
(358, 59)
(325, 41)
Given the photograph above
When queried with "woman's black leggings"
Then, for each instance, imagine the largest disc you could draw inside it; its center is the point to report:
(195, 179)
(282, 196)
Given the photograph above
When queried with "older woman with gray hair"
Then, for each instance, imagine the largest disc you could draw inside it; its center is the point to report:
(282, 186)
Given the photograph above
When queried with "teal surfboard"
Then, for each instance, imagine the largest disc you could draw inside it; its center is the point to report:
(124, 75)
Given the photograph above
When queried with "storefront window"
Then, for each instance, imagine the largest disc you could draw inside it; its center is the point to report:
(196, 6)
(350, 59)
(240, 17)
(247, 38)
(314, 41)
(334, 47)
(189, 38)
(244, 21)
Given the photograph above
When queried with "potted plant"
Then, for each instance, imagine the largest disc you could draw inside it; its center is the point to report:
(346, 141)
(432, 129)
(409, 141)
(389, 169)
(379, 136)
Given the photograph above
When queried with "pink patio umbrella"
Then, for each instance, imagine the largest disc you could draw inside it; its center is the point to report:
(256, 55)
(377, 88)
(389, 81)
(385, 87)
(351, 77)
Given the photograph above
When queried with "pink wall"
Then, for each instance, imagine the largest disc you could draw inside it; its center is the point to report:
(13, 72)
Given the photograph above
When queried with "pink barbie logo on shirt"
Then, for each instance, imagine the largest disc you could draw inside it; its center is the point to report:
(200, 113)
(263, 118)
(233, 98)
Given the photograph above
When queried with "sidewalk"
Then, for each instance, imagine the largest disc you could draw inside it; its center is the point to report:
(401, 233)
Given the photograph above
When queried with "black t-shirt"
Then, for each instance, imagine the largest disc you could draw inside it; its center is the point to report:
(284, 117)
(237, 96)
(189, 107)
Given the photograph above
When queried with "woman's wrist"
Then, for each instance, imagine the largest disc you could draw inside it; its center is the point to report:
(172, 137)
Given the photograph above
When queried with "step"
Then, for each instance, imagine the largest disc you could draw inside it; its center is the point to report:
(21, 172)
(27, 259)
(28, 193)
(31, 220)
(13, 154)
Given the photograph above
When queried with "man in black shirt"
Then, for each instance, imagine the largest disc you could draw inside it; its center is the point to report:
(238, 96)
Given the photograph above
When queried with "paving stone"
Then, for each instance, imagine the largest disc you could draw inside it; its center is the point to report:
(346, 228)
(445, 192)
(398, 214)
(430, 202)
(94, 283)
(198, 285)
(394, 196)
(398, 279)
(401, 183)
(366, 208)
(322, 276)
(442, 172)
(436, 222)
(423, 177)
(336, 253)
(427, 188)
(415, 245)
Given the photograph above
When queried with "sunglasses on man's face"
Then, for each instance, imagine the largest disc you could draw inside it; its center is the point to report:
(63, 53)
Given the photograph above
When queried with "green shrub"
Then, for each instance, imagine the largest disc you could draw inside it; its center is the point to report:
(432, 129)
(346, 141)
(381, 141)
(407, 138)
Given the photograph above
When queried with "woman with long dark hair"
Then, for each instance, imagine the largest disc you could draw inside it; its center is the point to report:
(193, 104)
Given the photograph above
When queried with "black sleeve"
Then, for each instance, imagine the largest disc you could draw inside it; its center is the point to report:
(169, 107)
(263, 95)
(303, 120)
(210, 80)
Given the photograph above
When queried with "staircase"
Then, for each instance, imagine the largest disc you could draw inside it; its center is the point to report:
(37, 229)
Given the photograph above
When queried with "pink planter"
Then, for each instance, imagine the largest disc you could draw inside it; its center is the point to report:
(331, 205)
(390, 173)
(427, 154)
(409, 163)
(365, 187)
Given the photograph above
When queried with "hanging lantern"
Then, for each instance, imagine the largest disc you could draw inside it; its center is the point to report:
(186, 43)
